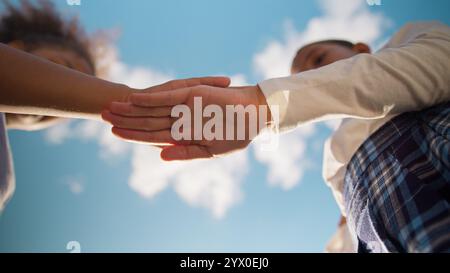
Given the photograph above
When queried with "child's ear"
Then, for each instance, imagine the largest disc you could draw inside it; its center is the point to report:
(361, 48)
(17, 44)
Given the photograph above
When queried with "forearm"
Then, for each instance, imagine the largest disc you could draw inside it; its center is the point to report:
(31, 85)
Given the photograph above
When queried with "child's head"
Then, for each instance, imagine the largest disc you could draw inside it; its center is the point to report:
(323, 53)
(41, 31)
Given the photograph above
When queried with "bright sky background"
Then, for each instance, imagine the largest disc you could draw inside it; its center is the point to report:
(75, 182)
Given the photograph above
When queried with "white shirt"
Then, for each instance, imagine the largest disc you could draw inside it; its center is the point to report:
(410, 73)
(7, 184)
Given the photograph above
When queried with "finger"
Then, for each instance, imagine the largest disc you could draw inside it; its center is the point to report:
(157, 138)
(190, 152)
(161, 99)
(184, 83)
(211, 81)
(138, 123)
(130, 110)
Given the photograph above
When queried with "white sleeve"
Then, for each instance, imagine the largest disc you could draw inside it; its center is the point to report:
(410, 73)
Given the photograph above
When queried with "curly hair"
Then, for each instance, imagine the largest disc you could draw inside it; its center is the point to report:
(41, 25)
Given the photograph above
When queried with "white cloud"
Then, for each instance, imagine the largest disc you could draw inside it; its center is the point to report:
(136, 77)
(287, 164)
(212, 184)
(88, 131)
(239, 80)
(58, 134)
(352, 20)
(76, 184)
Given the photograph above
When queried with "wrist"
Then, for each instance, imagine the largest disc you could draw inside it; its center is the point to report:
(123, 92)
(261, 102)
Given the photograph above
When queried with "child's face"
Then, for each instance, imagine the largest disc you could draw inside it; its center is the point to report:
(321, 54)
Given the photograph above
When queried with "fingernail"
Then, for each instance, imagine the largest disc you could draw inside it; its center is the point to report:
(165, 155)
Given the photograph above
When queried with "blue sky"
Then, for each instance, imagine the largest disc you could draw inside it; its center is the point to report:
(76, 183)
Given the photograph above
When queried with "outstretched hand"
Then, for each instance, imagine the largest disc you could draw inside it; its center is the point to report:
(147, 117)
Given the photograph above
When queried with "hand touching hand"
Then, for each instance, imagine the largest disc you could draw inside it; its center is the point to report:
(147, 118)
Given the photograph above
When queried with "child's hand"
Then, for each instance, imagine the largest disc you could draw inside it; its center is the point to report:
(147, 118)
(155, 118)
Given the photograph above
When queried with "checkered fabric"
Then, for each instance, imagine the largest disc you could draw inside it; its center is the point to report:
(397, 185)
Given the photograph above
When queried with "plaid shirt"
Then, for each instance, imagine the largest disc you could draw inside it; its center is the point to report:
(397, 185)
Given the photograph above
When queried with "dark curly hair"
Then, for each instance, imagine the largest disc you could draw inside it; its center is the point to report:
(41, 25)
